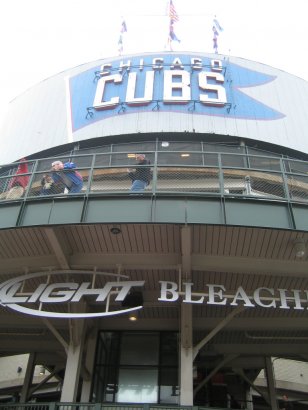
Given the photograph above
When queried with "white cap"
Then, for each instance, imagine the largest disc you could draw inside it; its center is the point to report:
(56, 163)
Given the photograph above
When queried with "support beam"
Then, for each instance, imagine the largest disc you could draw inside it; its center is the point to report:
(213, 372)
(89, 363)
(56, 333)
(57, 248)
(186, 251)
(72, 369)
(28, 378)
(44, 381)
(221, 325)
(270, 377)
(186, 373)
(249, 399)
(241, 373)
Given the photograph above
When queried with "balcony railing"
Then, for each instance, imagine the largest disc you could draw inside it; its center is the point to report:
(195, 174)
(97, 406)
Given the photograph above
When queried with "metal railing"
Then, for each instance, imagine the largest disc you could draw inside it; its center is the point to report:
(97, 406)
(195, 173)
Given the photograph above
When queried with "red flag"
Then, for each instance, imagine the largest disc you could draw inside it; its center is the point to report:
(173, 15)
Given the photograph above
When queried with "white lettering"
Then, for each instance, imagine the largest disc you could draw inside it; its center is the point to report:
(165, 291)
(284, 298)
(257, 297)
(124, 66)
(61, 295)
(176, 82)
(39, 290)
(8, 295)
(188, 298)
(177, 63)
(241, 295)
(196, 63)
(99, 103)
(157, 63)
(148, 89)
(216, 65)
(216, 293)
(220, 96)
(102, 70)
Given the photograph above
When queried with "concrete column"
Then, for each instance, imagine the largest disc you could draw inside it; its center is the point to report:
(28, 378)
(73, 364)
(271, 383)
(249, 405)
(186, 371)
(89, 363)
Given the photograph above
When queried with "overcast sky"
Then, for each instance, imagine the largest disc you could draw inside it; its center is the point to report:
(40, 38)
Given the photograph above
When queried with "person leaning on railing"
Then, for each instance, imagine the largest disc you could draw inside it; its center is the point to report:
(19, 182)
(49, 187)
(66, 175)
(141, 176)
(286, 404)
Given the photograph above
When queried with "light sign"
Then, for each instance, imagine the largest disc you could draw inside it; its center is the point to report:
(47, 294)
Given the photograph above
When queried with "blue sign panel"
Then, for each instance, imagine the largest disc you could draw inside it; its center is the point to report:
(178, 83)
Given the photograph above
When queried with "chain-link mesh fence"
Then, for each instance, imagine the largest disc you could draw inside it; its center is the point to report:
(167, 172)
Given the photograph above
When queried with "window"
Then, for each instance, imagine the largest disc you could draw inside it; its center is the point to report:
(136, 367)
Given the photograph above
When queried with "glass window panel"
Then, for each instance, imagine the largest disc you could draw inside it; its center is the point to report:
(230, 160)
(179, 158)
(128, 159)
(297, 167)
(135, 147)
(82, 161)
(108, 349)
(45, 164)
(169, 349)
(256, 151)
(179, 146)
(102, 160)
(211, 160)
(169, 388)
(139, 349)
(93, 150)
(264, 163)
(236, 149)
(137, 386)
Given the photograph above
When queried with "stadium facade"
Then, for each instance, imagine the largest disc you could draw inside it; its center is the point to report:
(210, 259)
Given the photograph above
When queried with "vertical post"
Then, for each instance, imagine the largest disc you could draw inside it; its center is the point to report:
(271, 382)
(73, 364)
(249, 403)
(28, 378)
(89, 362)
(186, 352)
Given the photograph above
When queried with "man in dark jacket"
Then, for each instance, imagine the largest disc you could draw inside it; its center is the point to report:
(286, 404)
(141, 176)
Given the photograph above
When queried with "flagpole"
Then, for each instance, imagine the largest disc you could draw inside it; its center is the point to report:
(173, 18)
(123, 30)
(216, 28)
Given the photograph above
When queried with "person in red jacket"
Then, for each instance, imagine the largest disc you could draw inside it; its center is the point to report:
(19, 182)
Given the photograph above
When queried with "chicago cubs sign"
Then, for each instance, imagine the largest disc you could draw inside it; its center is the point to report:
(177, 83)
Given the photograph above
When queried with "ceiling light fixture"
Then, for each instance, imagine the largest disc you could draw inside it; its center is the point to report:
(132, 317)
(115, 230)
(300, 248)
